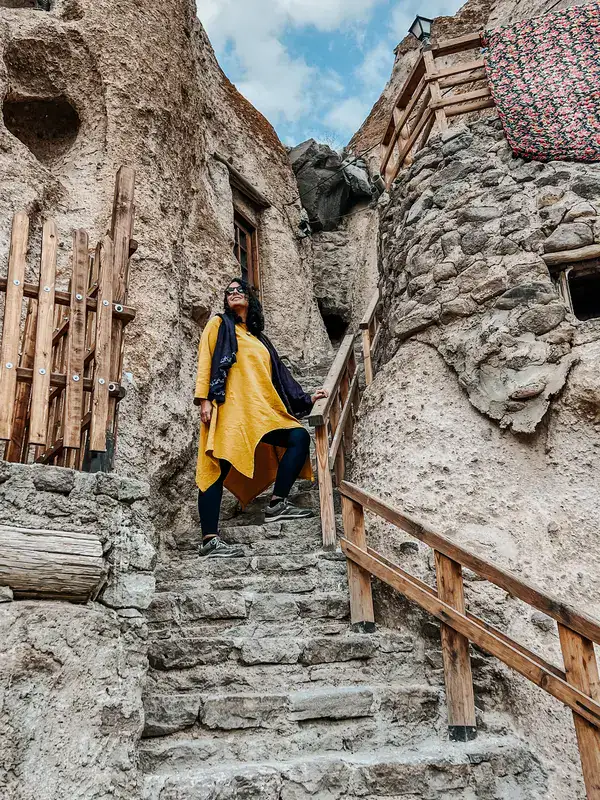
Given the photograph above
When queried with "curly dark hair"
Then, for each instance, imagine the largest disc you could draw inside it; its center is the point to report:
(256, 320)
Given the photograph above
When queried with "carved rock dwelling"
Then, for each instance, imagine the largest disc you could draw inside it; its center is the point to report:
(132, 669)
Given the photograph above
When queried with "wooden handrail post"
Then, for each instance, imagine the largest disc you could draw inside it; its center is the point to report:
(362, 616)
(582, 672)
(366, 341)
(325, 486)
(455, 652)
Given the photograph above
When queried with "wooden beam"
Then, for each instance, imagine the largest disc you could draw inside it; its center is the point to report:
(572, 256)
(342, 422)
(9, 352)
(319, 414)
(50, 564)
(472, 77)
(100, 396)
(42, 363)
(436, 95)
(359, 579)
(500, 648)
(458, 69)
(370, 312)
(15, 448)
(325, 487)
(416, 132)
(400, 123)
(58, 380)
(461, 98)
(125, 313)
(447, 47)
(468, 108)
(73, 406)
(511, 583)
(411, 83)
(367, 359)
(455, 653)
(582, 672)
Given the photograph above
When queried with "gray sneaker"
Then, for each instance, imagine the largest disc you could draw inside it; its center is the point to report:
(217, 548)
(285, 510)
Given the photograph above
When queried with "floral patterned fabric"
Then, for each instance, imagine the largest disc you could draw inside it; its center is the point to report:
(544, 75)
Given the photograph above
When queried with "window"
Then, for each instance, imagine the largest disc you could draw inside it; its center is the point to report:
(245, 248)
(579, 286)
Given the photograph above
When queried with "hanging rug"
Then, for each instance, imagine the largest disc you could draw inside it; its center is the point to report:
(544, 75)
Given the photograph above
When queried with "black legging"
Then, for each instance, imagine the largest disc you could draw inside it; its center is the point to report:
(297, 443)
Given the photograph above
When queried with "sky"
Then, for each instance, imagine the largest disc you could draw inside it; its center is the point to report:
(314, 68)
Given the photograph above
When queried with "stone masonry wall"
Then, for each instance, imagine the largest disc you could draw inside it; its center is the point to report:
(71, 676)
(483, 416)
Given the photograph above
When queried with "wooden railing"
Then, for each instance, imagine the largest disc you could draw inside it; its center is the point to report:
(61, 358)
(427, 99)
(370, 327)
(576, 684)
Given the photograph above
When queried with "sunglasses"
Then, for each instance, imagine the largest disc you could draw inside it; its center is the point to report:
(235, 290)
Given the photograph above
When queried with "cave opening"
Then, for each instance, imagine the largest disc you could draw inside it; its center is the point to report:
(335, 325)
(48, 127)
(584, 288)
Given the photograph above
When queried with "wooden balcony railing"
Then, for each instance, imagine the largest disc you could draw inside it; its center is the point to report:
(576, 684)
(428, 98)
(333, 417)
(61, 356)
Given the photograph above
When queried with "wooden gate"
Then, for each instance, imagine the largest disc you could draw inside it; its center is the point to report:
(61, 356)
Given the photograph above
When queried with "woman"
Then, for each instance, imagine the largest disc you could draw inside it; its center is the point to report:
(249, 403)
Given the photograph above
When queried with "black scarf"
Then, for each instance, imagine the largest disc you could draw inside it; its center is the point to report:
(294, 398)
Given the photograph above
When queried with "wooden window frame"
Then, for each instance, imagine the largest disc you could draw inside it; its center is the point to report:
(560, 274)
(250, 231)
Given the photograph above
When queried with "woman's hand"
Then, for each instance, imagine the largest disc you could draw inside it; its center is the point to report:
(319, 395)
(206, 410)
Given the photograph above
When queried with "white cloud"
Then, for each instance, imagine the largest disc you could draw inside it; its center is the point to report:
(347, 115)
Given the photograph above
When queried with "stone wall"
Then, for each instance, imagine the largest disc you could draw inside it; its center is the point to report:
(482, 419)
(138, 83)
(71, 676)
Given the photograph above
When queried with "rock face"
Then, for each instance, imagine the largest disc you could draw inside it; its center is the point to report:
(119, 82)
(328, 185)
(462, 241)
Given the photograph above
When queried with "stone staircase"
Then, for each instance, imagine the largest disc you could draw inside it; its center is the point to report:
(259, 688)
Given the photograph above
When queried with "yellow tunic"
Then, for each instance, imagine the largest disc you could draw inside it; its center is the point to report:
(252, 408)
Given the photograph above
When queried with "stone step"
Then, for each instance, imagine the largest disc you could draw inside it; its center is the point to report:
(293, 573)
(275, 538)
(223, 727)
(491, 768)
(182, 653)
(171, 611)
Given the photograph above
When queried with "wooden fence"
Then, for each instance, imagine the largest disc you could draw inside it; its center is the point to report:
(61, 358)
(428, 98)
(576, 684)
(333, 417)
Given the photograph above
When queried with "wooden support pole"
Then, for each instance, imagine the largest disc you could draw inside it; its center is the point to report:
(455, 651)
(73, 406)
(42, 365)
(366, 341)
(100, 395)
(9, 352)
(582, 672)
(14, 450)
(325, 486)
(359, 580)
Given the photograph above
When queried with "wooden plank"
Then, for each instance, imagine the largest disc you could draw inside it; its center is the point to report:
(42, 365)
(325, 486)
(425, 135)
(366, 342)
(472, 77)
(436, 95)
(50, 563)
(469, 108)
(73, 405)
(511, 583)
(9, 352)
(320, 411)
(500, 648)
(411, 84)
(100, 397)
(461, 98)
(370, 312)
(359, 580)
(123, 201)
(126, 313)
(343, 421)
(424, 118)
(458, 69)
(59, 381)
(582, 672)
(547, 665)
(447, 47)
(572, 256)
(460, 699)
(401, 122)
(339, 464)
(15, 449)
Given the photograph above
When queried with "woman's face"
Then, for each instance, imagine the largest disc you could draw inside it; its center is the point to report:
(236, 300)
